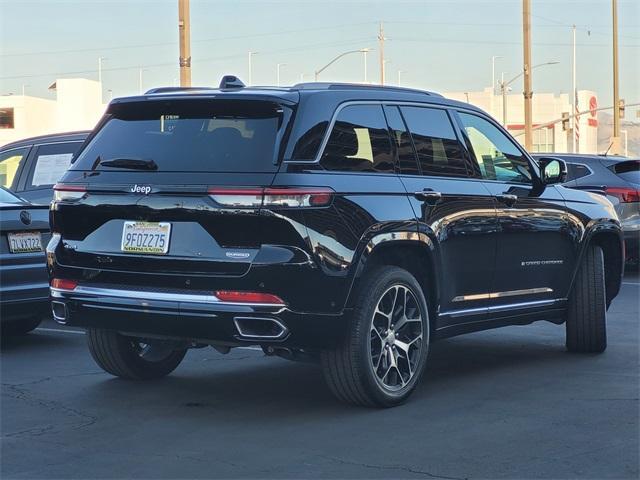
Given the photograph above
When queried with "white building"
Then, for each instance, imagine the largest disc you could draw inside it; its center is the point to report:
(547, 108)
(77, 106)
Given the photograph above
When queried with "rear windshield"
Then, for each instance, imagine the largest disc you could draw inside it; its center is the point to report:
(186, 136)
(629, 170)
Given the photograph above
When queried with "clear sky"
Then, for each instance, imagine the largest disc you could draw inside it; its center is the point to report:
(439, 45)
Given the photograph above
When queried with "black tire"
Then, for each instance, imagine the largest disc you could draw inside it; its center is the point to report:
(124, 357)
(587, 310)
(349, 369)
(21, 326)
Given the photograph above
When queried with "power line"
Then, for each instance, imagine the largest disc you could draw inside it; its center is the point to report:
(203, 40)
(200, 60)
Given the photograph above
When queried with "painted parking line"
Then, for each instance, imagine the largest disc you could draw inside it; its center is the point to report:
(81, 332)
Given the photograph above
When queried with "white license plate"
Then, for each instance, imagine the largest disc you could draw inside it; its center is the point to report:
(146, 237)
(25, 242)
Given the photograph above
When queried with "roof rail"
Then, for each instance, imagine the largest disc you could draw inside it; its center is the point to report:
(175, 89)
(358, 86)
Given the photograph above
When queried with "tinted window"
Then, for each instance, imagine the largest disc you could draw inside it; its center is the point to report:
(51, 161)
(359, 141)
(7, 197)
(438, 149)
(497, 156)
(10, 161)
(189, 136)
(402, 139)
(576, 171)
(628, 170)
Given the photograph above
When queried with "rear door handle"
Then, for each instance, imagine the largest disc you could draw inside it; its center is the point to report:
(428, 196)
(507, 198)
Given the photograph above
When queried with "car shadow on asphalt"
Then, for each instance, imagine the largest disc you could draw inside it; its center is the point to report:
(249, 385)
(30, 340)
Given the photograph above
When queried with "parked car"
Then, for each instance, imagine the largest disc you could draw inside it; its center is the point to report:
(31, 167)
(619, 179)
(24, 284)
(344, 223)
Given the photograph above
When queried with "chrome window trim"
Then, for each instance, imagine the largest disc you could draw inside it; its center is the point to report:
(147, 295)
(349, 103)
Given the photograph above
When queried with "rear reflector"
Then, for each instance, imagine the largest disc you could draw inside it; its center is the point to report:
(272, 197)
(625, 195)
(248, 297)
(63, 284)
(68, 192)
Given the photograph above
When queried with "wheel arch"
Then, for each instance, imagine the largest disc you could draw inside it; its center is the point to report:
(412, 251)
(607, 236)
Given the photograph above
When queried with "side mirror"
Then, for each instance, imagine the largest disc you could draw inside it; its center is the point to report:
(552, 170)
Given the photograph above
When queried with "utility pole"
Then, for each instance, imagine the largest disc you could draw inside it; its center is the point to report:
(400, 72)
(100, 68)
(574, 92)
(381, 40)
(184, 32)
(615, 139)
(528, 94)
(140, 80)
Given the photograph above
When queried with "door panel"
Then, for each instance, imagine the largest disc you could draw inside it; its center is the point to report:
(456, 211)
(533, 243)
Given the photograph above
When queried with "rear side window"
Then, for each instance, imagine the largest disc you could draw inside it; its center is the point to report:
(628, 170)
(10, 162)
(576, 171)
(359, 141)
(49, 164)
(404, 147)
(438, 149)
(188, 136)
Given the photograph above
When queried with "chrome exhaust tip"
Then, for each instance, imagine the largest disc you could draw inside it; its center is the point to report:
(257, 328)
(59, 312)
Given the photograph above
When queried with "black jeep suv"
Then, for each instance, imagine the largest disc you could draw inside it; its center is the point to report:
(349, 224)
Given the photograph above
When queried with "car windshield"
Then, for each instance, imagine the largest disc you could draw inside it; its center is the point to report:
(186, 136)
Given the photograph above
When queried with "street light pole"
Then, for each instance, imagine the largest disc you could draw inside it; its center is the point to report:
(504, 85)
(400, 72)
(528, 94)
(574, 92)
(318, 72)
(249, 82)
(493, 73)
(278, 73)
(364, 52)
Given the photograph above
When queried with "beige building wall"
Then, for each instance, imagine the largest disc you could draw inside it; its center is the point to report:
(77, 106)
(547, 107)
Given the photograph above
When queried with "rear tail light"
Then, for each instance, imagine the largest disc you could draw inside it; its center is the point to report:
(272, 197)
(625, 195)
(248, 297)
(62, 192)
(63, 284)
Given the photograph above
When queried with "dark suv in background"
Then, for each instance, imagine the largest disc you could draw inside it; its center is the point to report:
(348, 224)
(32, 166)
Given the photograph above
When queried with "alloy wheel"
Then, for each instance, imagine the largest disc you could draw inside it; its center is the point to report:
(396, 338)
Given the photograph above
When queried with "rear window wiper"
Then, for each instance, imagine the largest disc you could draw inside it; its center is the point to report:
(132, 163)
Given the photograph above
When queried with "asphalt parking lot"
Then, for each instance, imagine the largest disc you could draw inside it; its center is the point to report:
(508, 403)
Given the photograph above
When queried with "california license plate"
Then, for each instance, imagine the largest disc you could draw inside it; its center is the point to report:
(146, 237)
(25, 242)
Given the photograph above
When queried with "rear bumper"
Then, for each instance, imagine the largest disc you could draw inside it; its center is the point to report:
(190, 317)
(23, 300)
